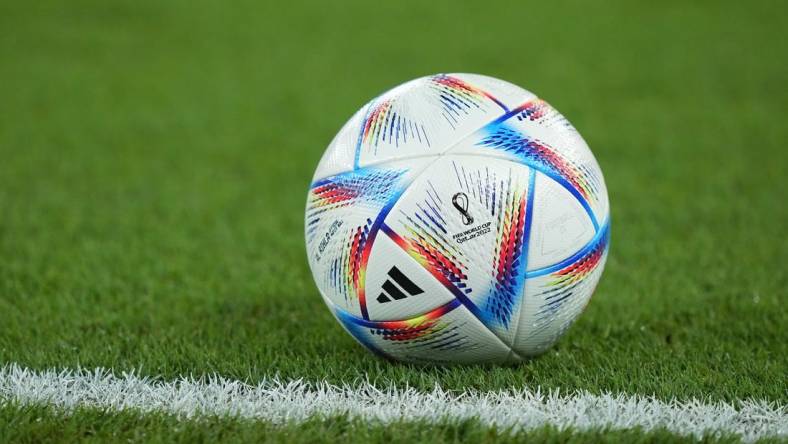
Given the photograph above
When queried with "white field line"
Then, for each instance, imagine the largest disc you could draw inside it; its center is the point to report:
(280, 401)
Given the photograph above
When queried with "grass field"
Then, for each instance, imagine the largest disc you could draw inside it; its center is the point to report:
(155, 158)
(35, 424)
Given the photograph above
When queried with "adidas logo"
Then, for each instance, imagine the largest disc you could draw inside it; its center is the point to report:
(391, 291)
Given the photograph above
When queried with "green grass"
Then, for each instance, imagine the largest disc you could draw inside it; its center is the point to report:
(37, 424)
(155, 157)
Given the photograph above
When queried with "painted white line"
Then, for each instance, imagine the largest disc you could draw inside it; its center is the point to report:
(282, 401)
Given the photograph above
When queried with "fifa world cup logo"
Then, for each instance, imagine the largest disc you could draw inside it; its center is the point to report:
(460, 202)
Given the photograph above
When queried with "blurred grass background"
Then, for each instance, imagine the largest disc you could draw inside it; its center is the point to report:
(155, 157)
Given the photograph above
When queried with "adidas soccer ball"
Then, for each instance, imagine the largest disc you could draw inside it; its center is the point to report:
(457, 218)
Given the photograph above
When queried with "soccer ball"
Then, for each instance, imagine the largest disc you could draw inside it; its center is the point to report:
(457, 218)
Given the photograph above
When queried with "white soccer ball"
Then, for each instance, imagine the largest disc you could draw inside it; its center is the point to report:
(457, 218)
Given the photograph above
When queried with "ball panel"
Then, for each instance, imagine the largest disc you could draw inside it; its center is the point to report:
(466, 222)
(560, 227)
(343, 215)
(537, 136)
(549, 130)
(552, 301)
(510, 95)
(397, 286)
(339, 157)
(449, 334)
(425, 116)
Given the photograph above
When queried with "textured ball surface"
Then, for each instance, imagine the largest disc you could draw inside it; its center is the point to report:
(457, 218)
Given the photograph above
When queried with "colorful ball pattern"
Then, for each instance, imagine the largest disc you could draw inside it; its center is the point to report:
(457, 218)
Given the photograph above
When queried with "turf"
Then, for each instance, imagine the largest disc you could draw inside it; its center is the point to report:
(155, 157)
(37, 424)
